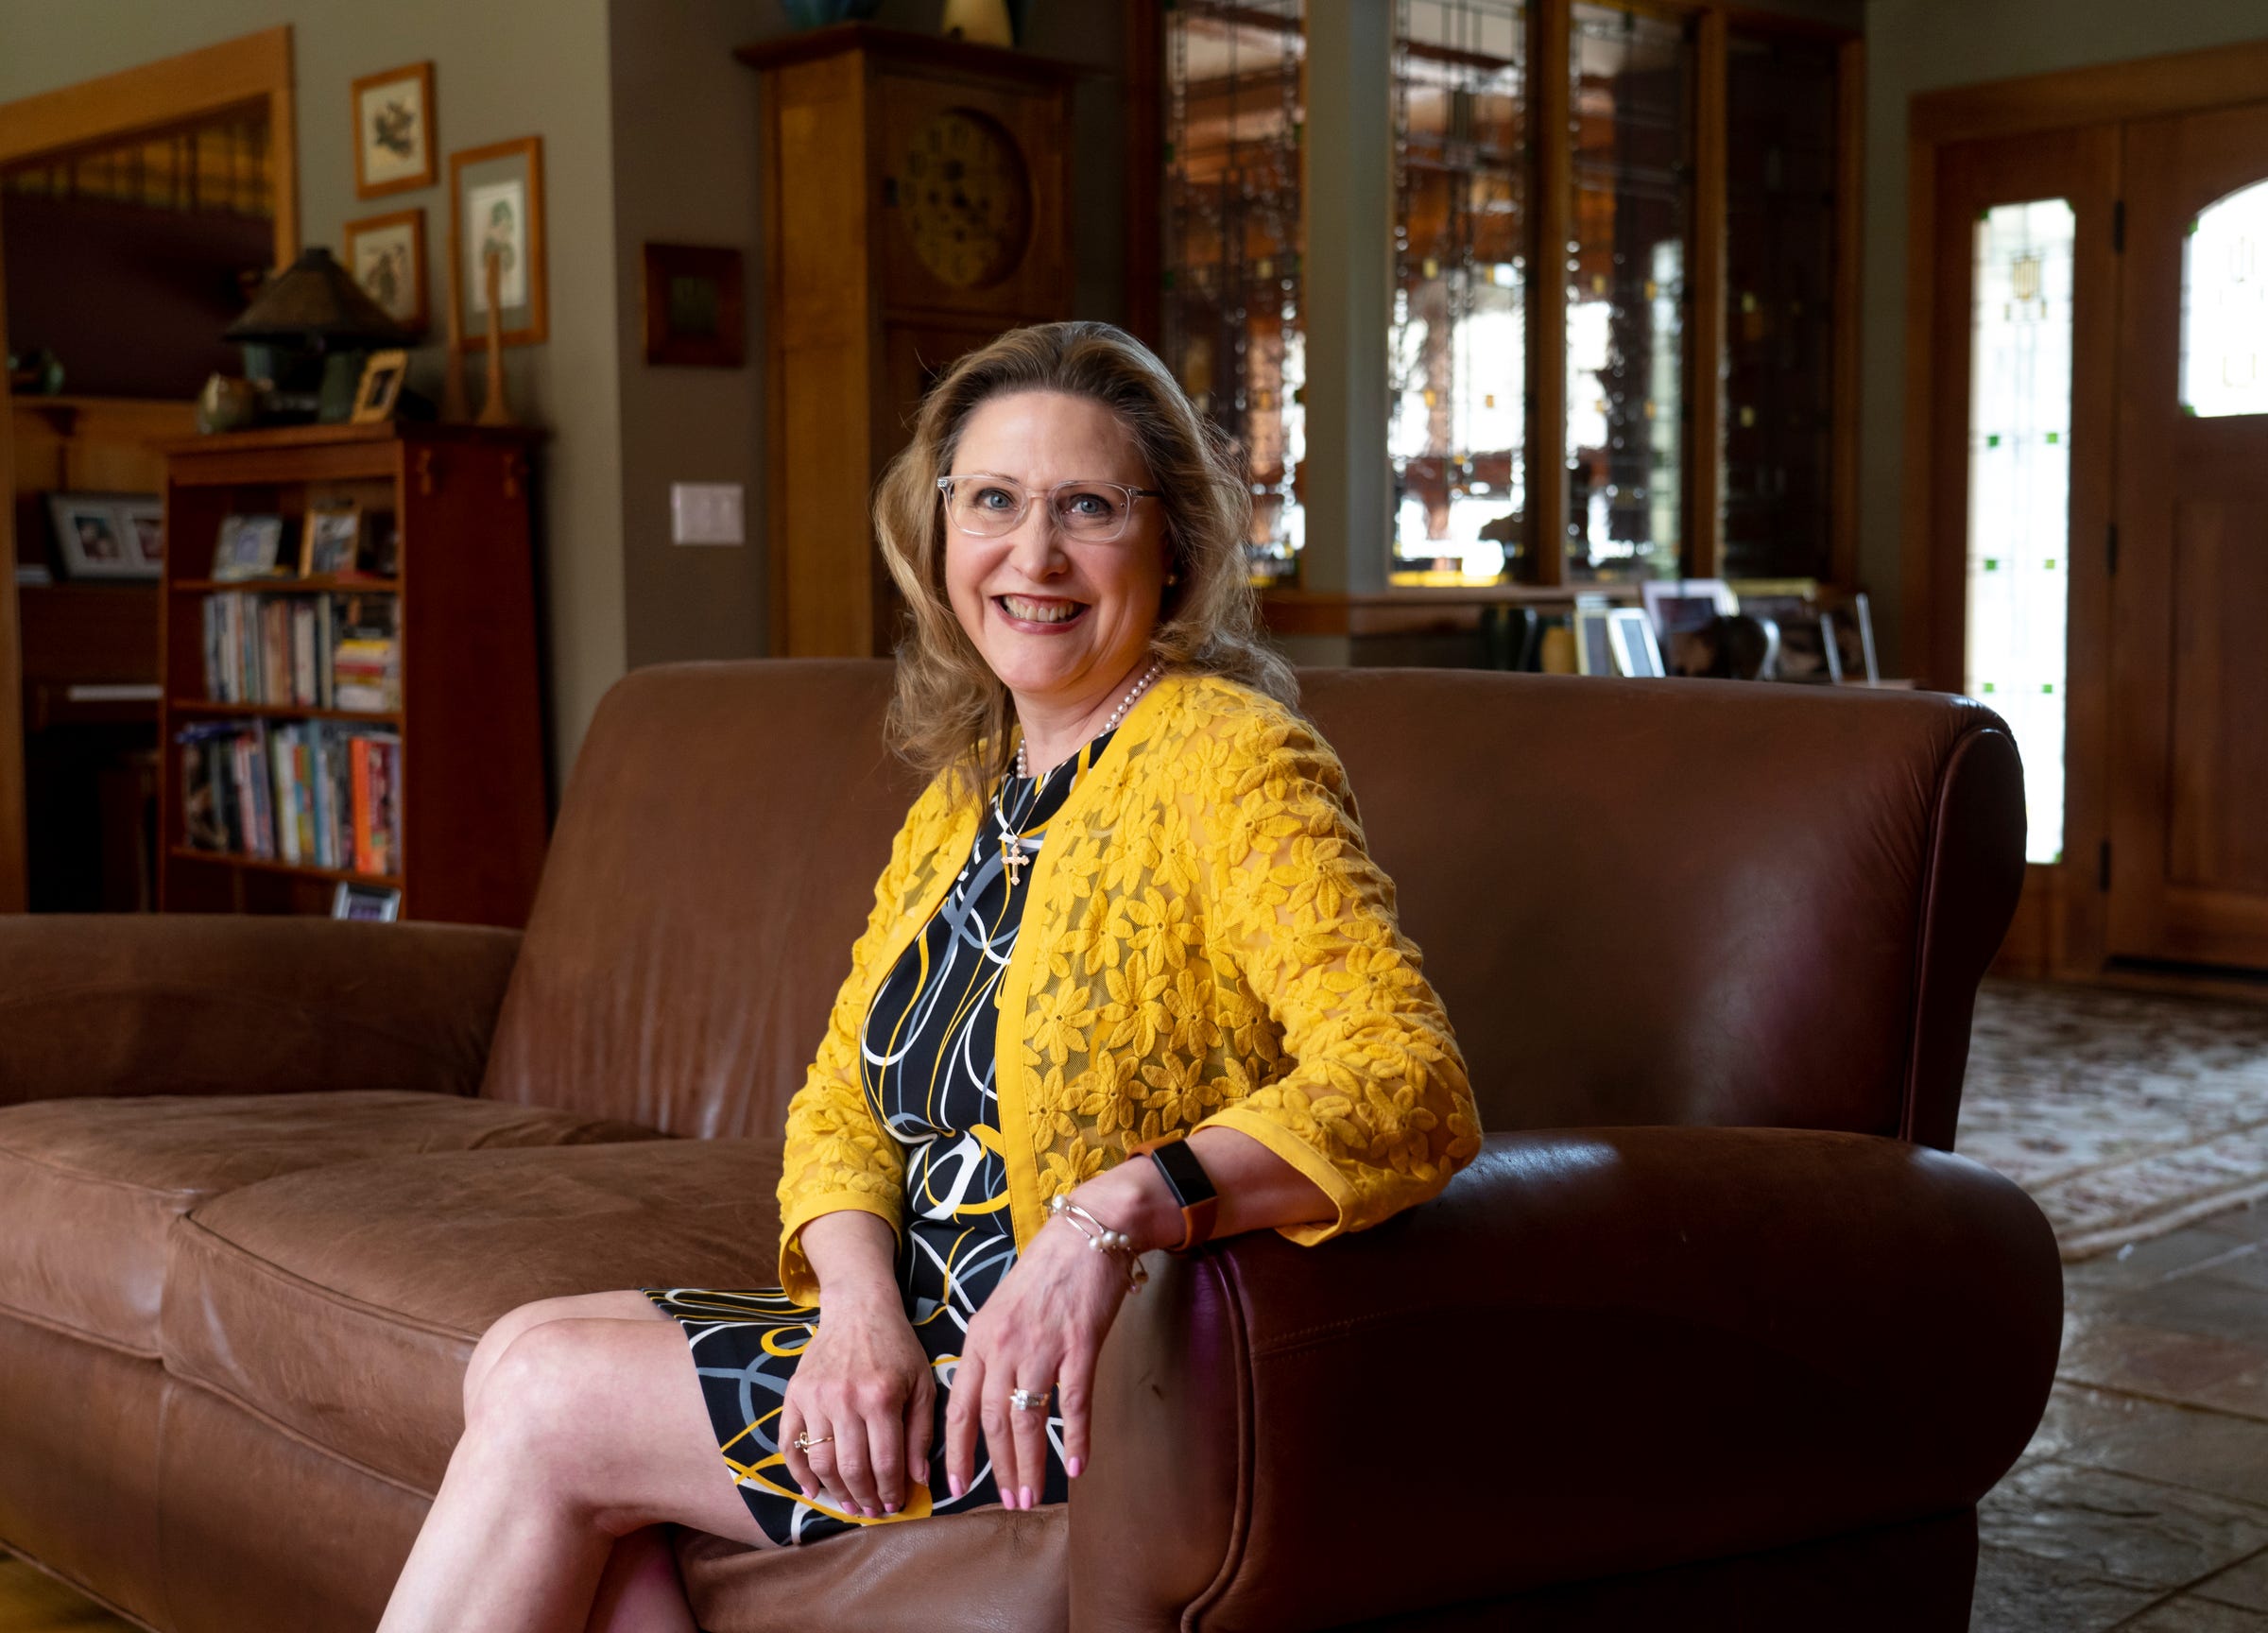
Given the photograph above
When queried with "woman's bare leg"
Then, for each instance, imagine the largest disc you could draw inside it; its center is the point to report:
(640, 1590)
(582, 1432)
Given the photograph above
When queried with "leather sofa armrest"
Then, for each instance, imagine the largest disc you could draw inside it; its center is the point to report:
(228, 1005)
(1598, 1351)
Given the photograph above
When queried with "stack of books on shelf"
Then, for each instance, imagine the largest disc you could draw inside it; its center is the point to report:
(326, 652)
(315, 794)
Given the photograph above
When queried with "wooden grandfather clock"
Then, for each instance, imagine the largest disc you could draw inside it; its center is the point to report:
(917, 206)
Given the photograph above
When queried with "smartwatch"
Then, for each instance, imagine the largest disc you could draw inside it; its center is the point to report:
(1191, 1186)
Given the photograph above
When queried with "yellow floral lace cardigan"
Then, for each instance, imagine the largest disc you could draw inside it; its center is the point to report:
(1207, 944)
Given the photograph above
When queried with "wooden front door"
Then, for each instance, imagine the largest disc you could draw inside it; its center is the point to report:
(2188, 784)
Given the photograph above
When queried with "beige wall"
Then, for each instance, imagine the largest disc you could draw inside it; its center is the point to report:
(687, 169)
(1916, 45)
(502, 68)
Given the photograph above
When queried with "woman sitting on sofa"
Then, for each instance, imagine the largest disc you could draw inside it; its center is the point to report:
(1130, 982)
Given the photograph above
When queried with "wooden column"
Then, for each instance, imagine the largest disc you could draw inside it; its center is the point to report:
(1704, 307)
(1346, 265)
(14, 879)
(1851, 211)
(1551, 209)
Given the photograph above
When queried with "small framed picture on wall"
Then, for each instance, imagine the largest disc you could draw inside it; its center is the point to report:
(496, 221)
(690, 300)
(386, 255)
(393, 131)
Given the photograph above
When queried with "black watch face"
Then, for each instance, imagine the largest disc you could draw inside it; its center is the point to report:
(1184, 1173)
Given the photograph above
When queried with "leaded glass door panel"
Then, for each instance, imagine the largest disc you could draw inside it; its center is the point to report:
(2188, 751)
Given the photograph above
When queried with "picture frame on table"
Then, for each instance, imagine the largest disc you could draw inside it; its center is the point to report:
(248, 547)
(1630, 639)
(394, 150)
(379, 391)
(385, 255)
(95, 538)
(1594, 643)
(496, 209)
(368, 904)
(1678, 605)
(692, 306)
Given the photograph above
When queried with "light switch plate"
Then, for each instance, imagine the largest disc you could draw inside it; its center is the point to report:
(706, 513)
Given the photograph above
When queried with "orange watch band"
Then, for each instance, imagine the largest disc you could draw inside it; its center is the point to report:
(1199, 1212)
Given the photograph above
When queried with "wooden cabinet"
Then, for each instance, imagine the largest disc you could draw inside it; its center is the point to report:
(917, 207)
(471, 753)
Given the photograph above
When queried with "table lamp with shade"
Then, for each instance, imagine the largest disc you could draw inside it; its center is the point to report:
(307, 333)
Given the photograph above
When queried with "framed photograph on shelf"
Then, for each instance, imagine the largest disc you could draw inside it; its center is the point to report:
(330, 540)
(1630, 640)
(394, 150)
(690, 300)
(380, 388)
(1595, 646)
(249, 547)
(372, 903)
(496, 213)
(145, 530)
(386, 256)
(95, 539)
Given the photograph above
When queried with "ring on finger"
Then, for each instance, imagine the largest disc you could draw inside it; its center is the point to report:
(805, 1442)
(1030, 1399)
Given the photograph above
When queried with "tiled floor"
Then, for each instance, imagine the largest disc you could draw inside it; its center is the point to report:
(2142, 1503)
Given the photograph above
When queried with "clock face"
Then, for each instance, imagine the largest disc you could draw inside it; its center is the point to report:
(968, 199)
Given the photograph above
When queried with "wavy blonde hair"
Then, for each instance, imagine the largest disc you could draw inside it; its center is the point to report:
(950, 713)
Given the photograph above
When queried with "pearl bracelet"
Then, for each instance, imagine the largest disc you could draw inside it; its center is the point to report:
(1100, 1237)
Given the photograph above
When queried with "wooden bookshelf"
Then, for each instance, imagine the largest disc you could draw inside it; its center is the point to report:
(471, 768)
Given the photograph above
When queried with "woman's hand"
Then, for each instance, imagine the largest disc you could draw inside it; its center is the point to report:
(1045, 1324)
(865, 1381)
(864, 1378)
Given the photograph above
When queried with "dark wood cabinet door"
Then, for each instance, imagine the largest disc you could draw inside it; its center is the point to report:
(2189, 684)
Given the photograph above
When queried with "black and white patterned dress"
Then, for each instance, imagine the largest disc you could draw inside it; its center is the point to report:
(927, 1068)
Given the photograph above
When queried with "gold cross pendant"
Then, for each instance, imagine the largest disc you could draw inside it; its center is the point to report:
(1011, 860)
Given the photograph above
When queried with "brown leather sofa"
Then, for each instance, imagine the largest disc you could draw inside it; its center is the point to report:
(1715, 1334)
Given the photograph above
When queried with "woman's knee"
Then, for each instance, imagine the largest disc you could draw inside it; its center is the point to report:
(508, 1327)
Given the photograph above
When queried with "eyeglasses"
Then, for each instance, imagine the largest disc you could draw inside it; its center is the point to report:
(987, 506)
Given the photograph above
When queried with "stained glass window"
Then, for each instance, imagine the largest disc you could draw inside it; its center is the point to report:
(2020, 471)
(1779, 280)
(1458, 356)
(1632, 112)
(2225, 307)
(1231, 311)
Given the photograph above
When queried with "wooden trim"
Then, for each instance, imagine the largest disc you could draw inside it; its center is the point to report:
(1416, 609)
(1144, 260)
(14, 854)
(1550, 209)
(1917, 654)
(1849, 338)
(539, 302)
(422, 74)
(174, 90)
(907, 45)
(1705, 339)
(2149, 87)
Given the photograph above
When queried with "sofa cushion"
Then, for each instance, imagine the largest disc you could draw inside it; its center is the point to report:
(89, 1188)
(343, 1305)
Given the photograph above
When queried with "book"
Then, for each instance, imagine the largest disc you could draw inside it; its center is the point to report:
(308, 793)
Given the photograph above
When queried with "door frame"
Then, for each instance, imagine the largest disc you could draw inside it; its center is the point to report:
(252, 70)
(2061, 921)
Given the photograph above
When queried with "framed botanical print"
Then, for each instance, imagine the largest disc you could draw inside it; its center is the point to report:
(393, 131)
(496, 218)
(386, 256)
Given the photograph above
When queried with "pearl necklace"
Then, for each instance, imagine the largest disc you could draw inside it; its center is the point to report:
(1149, 677)
(1012, 855)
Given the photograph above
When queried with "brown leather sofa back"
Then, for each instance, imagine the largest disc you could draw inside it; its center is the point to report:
(1645, 903)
